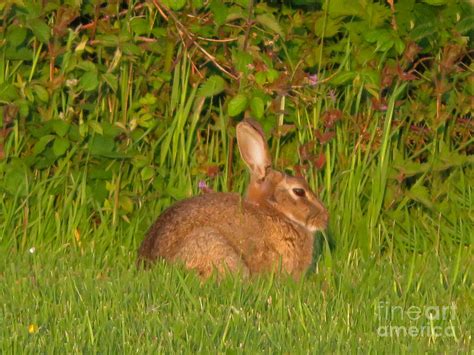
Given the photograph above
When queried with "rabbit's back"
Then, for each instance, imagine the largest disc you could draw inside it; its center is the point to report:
(260, 236)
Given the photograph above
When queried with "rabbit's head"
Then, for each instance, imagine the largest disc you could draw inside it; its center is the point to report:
(289, 195)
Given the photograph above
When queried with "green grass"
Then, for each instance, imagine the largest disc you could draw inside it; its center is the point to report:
(95, 300)
(81, 289)
(393, 246)
(385, 253)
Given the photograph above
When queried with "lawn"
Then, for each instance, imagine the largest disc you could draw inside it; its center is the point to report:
(68, 299)
(69, 291)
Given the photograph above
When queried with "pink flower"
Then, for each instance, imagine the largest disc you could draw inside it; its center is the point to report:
(204, 188)
(313, 79)
(202, 185)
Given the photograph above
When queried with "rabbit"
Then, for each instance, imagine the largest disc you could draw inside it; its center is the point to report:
(270, 229)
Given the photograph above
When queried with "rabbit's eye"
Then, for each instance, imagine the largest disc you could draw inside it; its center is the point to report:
(299, 192)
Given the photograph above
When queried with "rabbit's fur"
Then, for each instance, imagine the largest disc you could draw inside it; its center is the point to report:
(270, 228)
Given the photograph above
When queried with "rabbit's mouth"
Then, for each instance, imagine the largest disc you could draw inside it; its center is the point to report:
(306, 216)
(313, 223)
(317, 222)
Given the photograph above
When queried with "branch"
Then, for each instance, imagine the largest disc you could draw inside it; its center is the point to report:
(166, 13)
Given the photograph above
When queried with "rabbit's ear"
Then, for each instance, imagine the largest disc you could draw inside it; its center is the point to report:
(253, 148)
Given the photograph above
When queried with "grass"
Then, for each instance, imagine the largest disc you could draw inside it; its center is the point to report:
(68, 299)
(396, 252)
(79, 290)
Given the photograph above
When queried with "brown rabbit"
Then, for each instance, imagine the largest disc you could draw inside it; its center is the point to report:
(270, 228)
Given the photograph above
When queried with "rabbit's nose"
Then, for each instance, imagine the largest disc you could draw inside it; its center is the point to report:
(325, 216)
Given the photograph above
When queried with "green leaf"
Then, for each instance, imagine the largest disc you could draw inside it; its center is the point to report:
(16, 35)
(140, 26)
(99, 173)
(60, 127)
(399, 46)
(87, 65)
(243, 3)
(241, 60)
(385, 46)
(385, 39)
(41, 93)
(213, 86)
(261, 78)
(60, 146)
(370, 76)
(338, 8)
(89, 81)
(435, 2)
(111, 80)
(140, 161)
(147, 173)
(421, 194)
(100, 145)
(377, 35)
(236, 13)
(465, 25)
(375, 14)
(131, 48)
(24, 108)
(8, 92)
(40, 146)
(269, 21)
(148, 100)
(330, 30)
(98, 191)
(20, 53)
(15, 179)
(126, 203)
(159, 32)
(146, 121)
(220, 11)
(257, 106)
(424, 30)
(272, 75)
(197, 4)
(342, 78)
(96, 127)
(108, 40)
(175, 4)
(40, 29)
(38, 130)
(33, 9)
(237, 105)
(110, 129)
